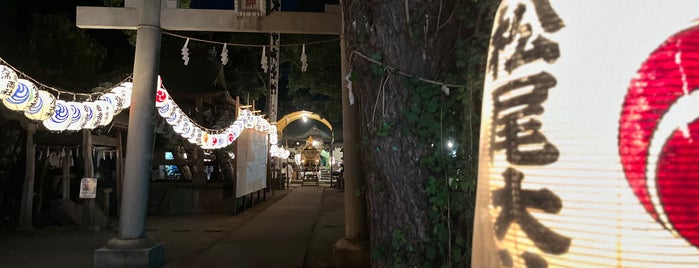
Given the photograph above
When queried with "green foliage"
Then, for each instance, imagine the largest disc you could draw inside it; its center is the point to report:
(318, 89)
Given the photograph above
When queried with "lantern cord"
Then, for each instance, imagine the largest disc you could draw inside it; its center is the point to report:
(247, 45)
(395, 70)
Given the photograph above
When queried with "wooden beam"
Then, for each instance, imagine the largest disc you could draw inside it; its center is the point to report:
(211, 20)
(71, 139)
(104, 141)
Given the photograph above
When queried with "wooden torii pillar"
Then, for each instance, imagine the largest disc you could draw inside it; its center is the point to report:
(149, 17)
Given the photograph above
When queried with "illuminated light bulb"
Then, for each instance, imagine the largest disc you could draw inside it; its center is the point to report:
(60, 119)
(77, 115)
(43, 108)
(23, 97)
(8, 81)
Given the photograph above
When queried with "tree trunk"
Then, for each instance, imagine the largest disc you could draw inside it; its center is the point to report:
(416, 38)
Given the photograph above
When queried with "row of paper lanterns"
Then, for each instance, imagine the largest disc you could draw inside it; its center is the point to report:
(278, 151)
(206, 138)
(58, 115)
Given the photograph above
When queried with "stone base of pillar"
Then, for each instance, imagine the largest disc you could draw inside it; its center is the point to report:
(351, 253)
(119, 253)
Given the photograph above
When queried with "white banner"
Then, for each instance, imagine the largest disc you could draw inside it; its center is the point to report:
(588, 157)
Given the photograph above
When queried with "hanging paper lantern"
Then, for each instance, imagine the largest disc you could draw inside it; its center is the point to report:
(161, 95)
(167, 109)
(125, 94)
(60, 119)
(196, 136)
(205, 139)
(23, 97)
(273, 139)
(175, 118)
(192, 137)
(8, 81)
(115, 101)
(43, 108)
(107, 112)
(179, 127)
(230, 137)
(77, 115)
(251, 121)
(94, 115)
(590, 121)
(237, 127)
(187, 129)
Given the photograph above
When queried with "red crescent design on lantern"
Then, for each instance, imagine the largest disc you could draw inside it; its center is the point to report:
(659, 134)
(231, 137)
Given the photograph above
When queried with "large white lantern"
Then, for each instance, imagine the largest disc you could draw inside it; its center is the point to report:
(161, 96)
(196, 136)
(61, 117)
(125, 94)
(115, 101)
(167, 109)
(77, 115)
(589, 154)
(23, 97)
(175, 118)
(94, 115)
(107, 112)
(187, 129)
(43, 108)
(8, 81)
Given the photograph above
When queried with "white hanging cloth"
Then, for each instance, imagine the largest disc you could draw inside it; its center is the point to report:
(185, 52)
(304, 59)
(263, 61)
(224, 54)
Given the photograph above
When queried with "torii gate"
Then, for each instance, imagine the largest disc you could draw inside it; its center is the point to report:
(131, 248)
